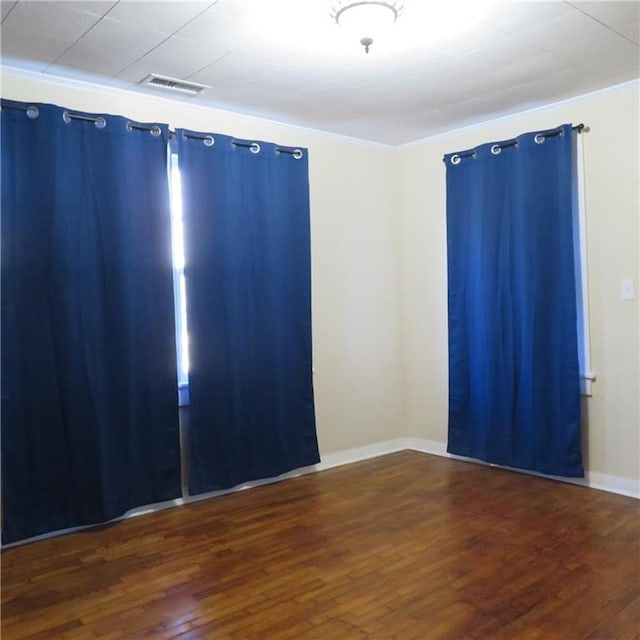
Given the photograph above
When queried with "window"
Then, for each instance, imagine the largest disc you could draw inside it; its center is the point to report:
(582, 281)
(177, 240)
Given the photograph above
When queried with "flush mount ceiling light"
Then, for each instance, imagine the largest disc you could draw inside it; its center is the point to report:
(366, 18)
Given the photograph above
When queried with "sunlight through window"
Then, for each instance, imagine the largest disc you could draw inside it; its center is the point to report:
(177, 235)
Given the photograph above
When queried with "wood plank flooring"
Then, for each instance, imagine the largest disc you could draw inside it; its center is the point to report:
(403, 547)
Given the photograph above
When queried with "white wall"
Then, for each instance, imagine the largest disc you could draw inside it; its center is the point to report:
(356, 329)
(379, 265)
(611, 416)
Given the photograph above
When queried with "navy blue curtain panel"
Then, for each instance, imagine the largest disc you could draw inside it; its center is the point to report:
(247, 269)
(514, 392)
(89, 404)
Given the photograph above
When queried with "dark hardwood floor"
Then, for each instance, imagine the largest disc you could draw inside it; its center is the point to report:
(407, 547)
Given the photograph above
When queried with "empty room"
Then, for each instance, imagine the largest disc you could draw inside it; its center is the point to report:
(320, 320)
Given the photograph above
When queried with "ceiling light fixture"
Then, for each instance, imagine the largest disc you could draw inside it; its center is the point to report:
(366, 18)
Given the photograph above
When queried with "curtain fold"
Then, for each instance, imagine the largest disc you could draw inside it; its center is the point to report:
(514, 394)
(90, 418)
(247, 252)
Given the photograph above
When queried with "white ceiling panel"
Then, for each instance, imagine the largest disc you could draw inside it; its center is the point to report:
(557, 84)
(531, 70)
(469, 35)
(631, 31)
(164, 17)
(95, 7)
(501, 53)
(511, 17)
(174, 57)
(37, 50)
(614, 62)
(605, 43)
(217, 29)
(84, 73)
(62, 22)
(87, 65)
(363, 74)
(5, 7)
(235, 67)
(442, 65)
(281, 53)
(553, 35)
(110, 46)
(238, 9)
(498, 101)
(612, 13)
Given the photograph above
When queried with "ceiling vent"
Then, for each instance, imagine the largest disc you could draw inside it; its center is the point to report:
(173, 84)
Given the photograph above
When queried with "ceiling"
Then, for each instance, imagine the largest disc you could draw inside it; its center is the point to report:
(443, 65)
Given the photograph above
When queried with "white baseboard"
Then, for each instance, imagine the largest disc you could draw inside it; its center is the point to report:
(593, 480)
(359, 454)
(613, 484)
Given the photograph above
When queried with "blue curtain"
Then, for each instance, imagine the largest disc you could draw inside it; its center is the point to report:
(89, 406)
(247, 252)
(514, 394)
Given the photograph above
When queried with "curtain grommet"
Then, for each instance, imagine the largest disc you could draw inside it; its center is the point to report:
(456, 159)
(208, 141)
(32, 112)
(297, 154)
(155, 131)
(99, 122)
(254, 147)
(539, 138)
(496, 149)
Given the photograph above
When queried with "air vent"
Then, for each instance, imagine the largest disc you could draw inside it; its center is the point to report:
(173, 84)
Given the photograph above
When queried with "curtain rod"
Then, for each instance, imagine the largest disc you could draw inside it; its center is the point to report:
(155, 130)
(254, 147)
(578, 128)
(498, 147)
(67, 117)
